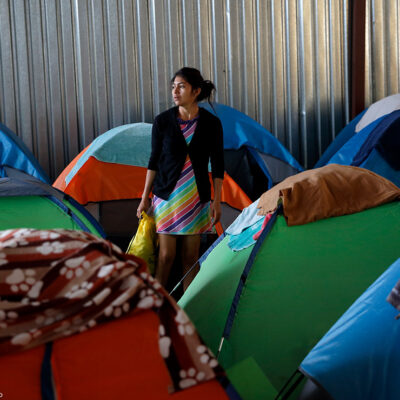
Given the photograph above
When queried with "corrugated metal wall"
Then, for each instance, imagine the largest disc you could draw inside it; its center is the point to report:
(383, 49)
(72, 69)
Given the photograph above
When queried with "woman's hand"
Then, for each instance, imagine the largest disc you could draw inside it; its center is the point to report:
(144, 205)
(215, 211)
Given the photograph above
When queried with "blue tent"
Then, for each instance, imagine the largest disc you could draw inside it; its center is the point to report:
(254, 158)
(359, 357)
(15, 154)
(370, 141)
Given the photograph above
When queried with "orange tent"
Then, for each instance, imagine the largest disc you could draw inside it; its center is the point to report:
(108, 176)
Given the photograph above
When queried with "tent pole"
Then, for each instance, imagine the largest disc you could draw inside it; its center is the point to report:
(220, 346)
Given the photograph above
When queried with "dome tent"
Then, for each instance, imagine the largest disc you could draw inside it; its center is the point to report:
(27, 202)
(108, 176)
(254, 305)
(370, 141)
(26, 197)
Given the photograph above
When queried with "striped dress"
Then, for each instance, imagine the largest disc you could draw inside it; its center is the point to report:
(183, 213)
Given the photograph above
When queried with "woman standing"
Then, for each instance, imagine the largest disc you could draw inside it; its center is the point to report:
(185, 139)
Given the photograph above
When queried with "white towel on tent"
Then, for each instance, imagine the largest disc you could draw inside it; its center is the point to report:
(247, 217)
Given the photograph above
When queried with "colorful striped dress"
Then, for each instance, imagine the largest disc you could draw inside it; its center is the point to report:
(183, 213)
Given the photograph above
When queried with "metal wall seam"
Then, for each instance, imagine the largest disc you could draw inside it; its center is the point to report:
(396, 57)
(145, 76)
(214, 48)
(84, 84)
(184, 30)
(274, 129)
(259, 87)
(331, 74)
(392, 55)
(114, 75)
(8, 108)
(302, 86)
(38, 92)
(229, 50)
(169, 35)
(128, 85)
(53, 86)
(154, 64)
(288, 113)
(317, 95)
(244, 80)
(69, 83)
(22, 78)
(346, 93)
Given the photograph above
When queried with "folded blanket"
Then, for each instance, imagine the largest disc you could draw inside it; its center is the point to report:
(325, 192)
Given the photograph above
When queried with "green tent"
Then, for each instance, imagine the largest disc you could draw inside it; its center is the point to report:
(26, 202)
(262, 308)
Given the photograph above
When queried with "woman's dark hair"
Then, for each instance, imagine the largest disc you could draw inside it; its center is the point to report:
(193, 76)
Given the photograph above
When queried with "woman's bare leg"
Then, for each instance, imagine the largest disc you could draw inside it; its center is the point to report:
(190, 254)
(166, 257)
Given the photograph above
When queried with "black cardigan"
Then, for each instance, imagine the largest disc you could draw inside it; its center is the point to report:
(169, 151)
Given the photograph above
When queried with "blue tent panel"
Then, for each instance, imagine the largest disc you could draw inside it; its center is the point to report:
(241, 130)
(344, 135)
(359, 357)
(345, 155)
(386, 139)
(377, 163)
(15, 154)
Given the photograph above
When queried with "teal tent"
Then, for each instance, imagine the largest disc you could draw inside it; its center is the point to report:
(261, 305)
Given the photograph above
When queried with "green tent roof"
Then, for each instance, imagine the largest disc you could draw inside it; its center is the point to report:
(25, 202)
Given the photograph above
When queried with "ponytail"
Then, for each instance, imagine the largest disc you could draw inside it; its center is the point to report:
(207, 88)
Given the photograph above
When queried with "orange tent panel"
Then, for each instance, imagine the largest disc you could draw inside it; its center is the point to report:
(121, 182)
(20, 375)
(119, 360)
(60, 181)
(232, 194)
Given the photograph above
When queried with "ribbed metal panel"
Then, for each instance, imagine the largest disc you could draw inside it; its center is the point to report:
(72, 69)
(383, 49)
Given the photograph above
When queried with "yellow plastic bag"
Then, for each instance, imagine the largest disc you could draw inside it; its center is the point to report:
(144, 243)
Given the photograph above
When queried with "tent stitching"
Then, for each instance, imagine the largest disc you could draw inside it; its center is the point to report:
(245, 273)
